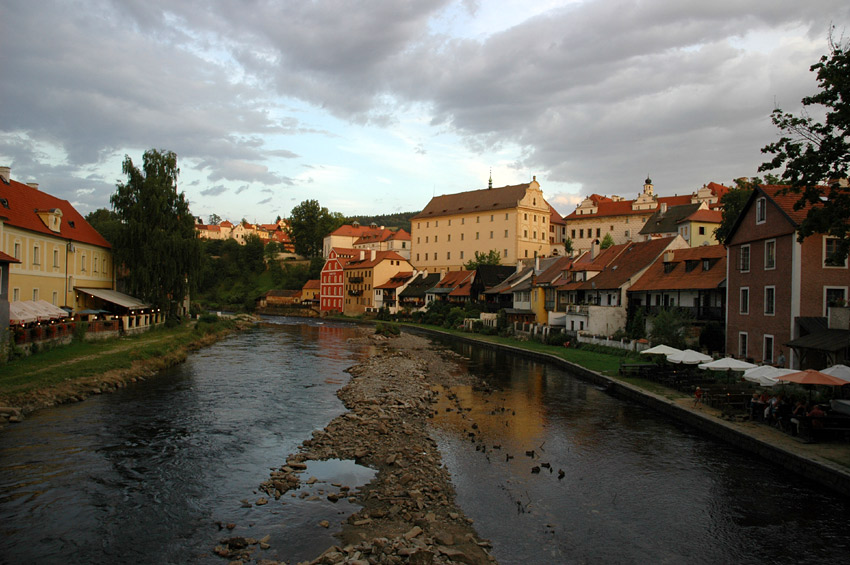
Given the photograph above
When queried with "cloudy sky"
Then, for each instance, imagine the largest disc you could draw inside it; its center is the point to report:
(374, 106)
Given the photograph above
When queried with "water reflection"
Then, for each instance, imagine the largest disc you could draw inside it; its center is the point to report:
(149, 473)
(609, 481)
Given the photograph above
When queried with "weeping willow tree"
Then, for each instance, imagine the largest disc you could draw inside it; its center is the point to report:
(156, 242)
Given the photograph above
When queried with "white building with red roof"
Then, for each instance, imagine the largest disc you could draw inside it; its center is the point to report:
(57, 249)
(598, 215)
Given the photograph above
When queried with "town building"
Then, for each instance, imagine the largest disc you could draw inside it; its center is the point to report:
(332, 280)
(778, 286)
(692, 279)
(593, 294)
(57, 251)
(413, 296)
(598, 215)
(365, 271)
(455, 286)
(311, 291)
(383, 239)
(387, 294)
(512, 220)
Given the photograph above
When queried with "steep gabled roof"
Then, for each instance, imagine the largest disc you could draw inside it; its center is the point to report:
(686, 271)
(455, 278)
(705, 216)
(396, 280)
(420, 285)
(485, 200)
(553, 270)
(312, 284)
(608, 207)
(488, 276)
(555, 217)
(382, 234)
(507, 285)
(19, 204)
(667, 221)
(368, 262)
(636, 256)
(783, 202)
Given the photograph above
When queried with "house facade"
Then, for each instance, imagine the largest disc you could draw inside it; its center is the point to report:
(57, 250)
(332, 280)
(365, 271)
(513, 220)
(383, 239)
(598, 215)
(775, 282)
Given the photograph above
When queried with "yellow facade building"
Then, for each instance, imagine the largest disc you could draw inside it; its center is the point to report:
(57, 248)
(513, 220)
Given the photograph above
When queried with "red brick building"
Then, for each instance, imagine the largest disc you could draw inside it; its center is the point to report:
(331, 280)
(775, 285)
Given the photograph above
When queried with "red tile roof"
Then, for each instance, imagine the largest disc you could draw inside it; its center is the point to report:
(454, 278)
(706, 216)
(382, 234)
(351, 231)
(396, 280)
(19, 202)
(680, 278)
(627, 263)
(312, 284)
(367, 262)
(555, 217)
(785, 202)
(608, 207)
(7, 258)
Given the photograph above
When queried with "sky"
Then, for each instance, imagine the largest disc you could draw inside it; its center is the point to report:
(375, 106)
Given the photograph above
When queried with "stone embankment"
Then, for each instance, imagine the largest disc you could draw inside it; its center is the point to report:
(408, 513)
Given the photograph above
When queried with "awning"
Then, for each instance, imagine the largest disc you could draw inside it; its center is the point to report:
(114, 297)
(27, 311)
(825, 340)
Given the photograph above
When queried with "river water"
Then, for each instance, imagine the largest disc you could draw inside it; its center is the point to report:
(151, 473)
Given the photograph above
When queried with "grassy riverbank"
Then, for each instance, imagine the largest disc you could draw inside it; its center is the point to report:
(69, 372)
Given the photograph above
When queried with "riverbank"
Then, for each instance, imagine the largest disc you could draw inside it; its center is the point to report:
(825, 463)
(75, 372)
(408, 510)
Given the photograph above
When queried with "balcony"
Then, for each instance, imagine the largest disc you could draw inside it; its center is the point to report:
(355, 280)
(355, 292)
(580, 309)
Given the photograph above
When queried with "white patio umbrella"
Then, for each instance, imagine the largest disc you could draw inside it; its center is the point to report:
(766, 375)
(660, 350)
(688, 357)
(840, 371)
(727, 364)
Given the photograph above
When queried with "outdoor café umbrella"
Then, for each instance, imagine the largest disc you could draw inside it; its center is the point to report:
(727, 364)
(688, 357)
(660, 350)
(840, 371)
(766, 375)
(812, 377)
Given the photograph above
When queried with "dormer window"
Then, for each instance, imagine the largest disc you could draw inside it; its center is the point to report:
(706, 264)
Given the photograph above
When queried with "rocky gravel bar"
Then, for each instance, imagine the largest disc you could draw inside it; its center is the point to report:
(408, 512)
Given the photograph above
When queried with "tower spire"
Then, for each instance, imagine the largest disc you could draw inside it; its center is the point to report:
(490, 184)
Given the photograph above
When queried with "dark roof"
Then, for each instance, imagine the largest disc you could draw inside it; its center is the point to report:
(634, 258)
(489, 276)
(472, 201)
(668, 220)
(419, 285)
(824, 340)
(812, 324)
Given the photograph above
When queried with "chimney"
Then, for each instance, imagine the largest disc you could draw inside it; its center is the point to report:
(593, 245)
(362, 254)
(536, 263)
(33, 185)
(371, 254)
(668, 256)
(6, 173)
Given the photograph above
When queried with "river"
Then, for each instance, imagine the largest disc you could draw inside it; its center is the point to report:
(155, 472)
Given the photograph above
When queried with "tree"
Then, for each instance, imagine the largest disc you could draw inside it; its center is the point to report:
(309, 223)
(568, 246)
(816, 156)
(733, 204)
(492, 257)
(214, 220)
(607, 241)
(157, 242)
(669, 326)
(106, 222)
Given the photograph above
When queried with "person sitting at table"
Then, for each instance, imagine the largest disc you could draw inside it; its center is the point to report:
(817, 415)
(798, 412)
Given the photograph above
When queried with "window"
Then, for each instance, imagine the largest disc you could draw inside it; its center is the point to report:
(94, 264)
(17, 254)
(436, 223)
(769, 300)
(56, 258)
(506, 233)
(448, 255)
(770, 254)
(761, 210)
(427, 224)
(506, 215)
(745, 301)
(744, 259)
(834, 296)
(573, 234)
(461, 237)
(598, 232)
(491, 235)
(628, 233)
(462, 221)
(426, 256)
(525, 216)
(418, 240)
(435, 239)
(55, 300)
(461, 254)
(450, 222)
(477, 219)
(36, 256)
(491, 217)
(742, 345)
(476, 235)
(505, 254)
(702, 230)
(417, 256)
(830, 246)
(84, 264)
(581, 234)
(706, 264)
(448, 236)
(16, 294)
(768, 350)
(34, 294)
(426, 239)
(524, 233)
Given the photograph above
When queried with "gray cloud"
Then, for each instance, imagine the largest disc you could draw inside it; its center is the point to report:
(598, 93)
(214, 190)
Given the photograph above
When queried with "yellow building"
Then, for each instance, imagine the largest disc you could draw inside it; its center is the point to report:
(363, 273)
(57, 248)
(513, 220)
(598, 215)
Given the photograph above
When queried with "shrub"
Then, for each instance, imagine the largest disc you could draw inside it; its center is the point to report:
(80, 329)
(388, 330)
